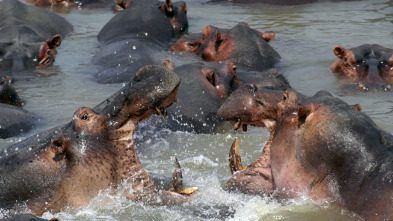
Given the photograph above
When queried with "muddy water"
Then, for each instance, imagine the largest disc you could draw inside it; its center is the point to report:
(305, 37)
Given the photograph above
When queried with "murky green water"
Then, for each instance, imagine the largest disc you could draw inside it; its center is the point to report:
(305, 37)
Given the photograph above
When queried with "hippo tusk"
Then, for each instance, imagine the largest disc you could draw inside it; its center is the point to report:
(177, 181)
(165, 113)
(189, 191)
(235, 161)
(158, 111)
(237, 125)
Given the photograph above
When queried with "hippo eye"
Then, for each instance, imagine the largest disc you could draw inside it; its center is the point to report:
(84, 117)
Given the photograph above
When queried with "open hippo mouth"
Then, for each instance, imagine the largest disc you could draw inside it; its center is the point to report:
(249, 105)
(68, 165)
(152, 91)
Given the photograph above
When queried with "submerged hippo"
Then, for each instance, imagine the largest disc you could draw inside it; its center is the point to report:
(68, 165)
(320, 147)
(138, 36)
(205, 86)
(29, 35)
(369, 65)
(246, 47)
(13, 119)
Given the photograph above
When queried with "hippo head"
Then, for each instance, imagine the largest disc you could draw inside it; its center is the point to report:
(18, 56)
(189, 43)
(8, 94)
(249, 105)
(63, 3)
(70, 164)
(369, 65)
(177, 14)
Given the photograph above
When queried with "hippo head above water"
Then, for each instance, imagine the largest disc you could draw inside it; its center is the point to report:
(28, 40)
(369, 65)
(319, 147)
(246, 47)
(68, 165)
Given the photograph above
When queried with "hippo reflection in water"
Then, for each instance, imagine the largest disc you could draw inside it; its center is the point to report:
(319, 146)
(369, 65)
(68, 165)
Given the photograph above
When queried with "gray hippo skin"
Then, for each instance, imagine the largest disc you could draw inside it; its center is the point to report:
(68, 165)
(319, 146)
(13, 119)
(205, 86)
(137, 36)
(244, 46)
(29, 35)
(370, 66)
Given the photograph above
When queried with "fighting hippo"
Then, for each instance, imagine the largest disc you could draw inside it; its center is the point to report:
(138, 36)
(29, 35)
(246, 47)
(371, 66)
(68, 165)
(319, 147)
(205, 86)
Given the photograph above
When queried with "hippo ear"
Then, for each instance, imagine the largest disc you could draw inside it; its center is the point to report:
(168, 64)
(339, 51)
(167, 8)
(268, 36)
(60, 148)
(54, 41)
(206, 32)
(304, 112)
(217, 36)
(357, 107)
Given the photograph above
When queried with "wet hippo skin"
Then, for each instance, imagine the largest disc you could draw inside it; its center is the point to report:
(68, 165)
(137, 36)
(319, 146)
(244, 46)
(370, 66)
(29, 36)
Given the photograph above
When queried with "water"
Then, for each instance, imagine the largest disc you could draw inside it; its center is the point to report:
(305, 37)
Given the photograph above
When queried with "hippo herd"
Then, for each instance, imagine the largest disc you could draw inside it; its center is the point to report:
(319, 145)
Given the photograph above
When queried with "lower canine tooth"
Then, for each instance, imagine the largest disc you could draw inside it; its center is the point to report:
(164, 113)
(158, 111)
(237, 125)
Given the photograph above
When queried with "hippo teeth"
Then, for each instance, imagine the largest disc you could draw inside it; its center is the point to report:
(235, 160)
(162, 111)
(158, 112)
(237, 125)
(245, 127)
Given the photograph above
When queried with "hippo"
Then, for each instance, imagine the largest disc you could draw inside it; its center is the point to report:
(246, 47)
(138, 36)
(205, 86)
(319, 147)
(371, 66)
(13, 119)
(68, 165)
(27, 217)
(8, 94)
(29, 36)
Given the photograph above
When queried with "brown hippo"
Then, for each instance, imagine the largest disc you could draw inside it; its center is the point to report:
(29, 35)
(246, 47)
(369, 65)
(320, 147)
(68, 165)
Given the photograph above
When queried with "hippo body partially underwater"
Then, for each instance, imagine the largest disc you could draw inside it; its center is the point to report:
(68, 165)
(319, 146)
